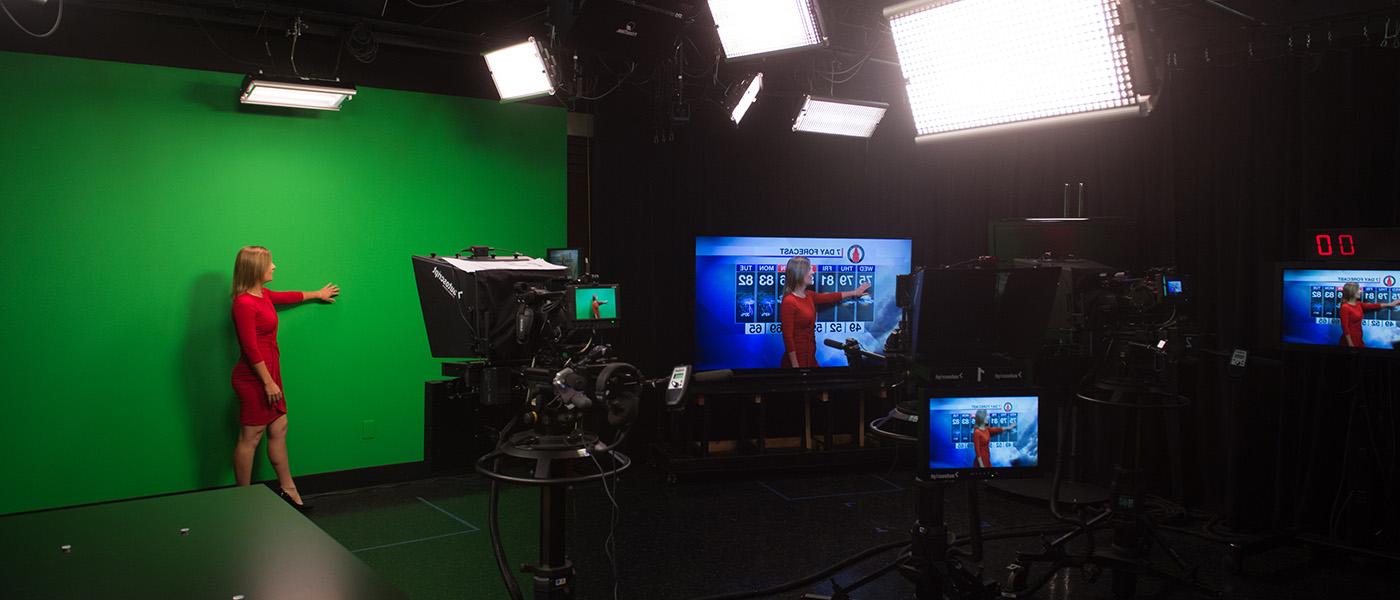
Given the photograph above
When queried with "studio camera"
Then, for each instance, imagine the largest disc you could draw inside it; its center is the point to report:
(531, 337)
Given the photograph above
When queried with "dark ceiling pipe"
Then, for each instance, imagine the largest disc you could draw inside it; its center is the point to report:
(322, 23)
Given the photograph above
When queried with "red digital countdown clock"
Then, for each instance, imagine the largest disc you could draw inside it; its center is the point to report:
(1369, 243)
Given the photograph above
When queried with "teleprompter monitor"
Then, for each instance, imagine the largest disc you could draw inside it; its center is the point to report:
(569, 258)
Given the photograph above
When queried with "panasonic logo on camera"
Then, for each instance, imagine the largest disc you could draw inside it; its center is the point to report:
(447, 285)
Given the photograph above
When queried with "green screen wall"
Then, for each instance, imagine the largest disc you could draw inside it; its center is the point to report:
(125, 192)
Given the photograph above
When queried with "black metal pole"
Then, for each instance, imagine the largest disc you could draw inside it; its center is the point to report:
(929, 547)
(554, 576)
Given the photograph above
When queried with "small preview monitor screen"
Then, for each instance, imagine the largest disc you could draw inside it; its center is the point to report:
(565, 257)
(1316, 305)
(983, 432)
(595, 303)
(1174, 287)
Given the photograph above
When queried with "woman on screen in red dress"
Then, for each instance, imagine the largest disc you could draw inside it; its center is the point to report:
(982, 439)
(1353, 311)
(799, 313)
(257, 378)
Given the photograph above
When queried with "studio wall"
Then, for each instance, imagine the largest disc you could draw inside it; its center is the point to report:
(1234, 165)
(126, 192)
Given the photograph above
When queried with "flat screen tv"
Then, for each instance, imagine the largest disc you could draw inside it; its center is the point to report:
(739, 288)
(1311, 308)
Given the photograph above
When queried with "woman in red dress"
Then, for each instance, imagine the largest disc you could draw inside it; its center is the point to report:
(982, 439)
(1353, 311)
(257, 378)
(799, 313)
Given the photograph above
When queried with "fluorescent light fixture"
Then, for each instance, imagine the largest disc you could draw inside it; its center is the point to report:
(522, 71)
(742, 96)
(749, 28)
(979, 65)
(854, 118)
(295, 94)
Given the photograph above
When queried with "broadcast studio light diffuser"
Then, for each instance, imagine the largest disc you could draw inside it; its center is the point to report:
(749, 28)
(985, 65)
(318, 96)
(521, 71)
(833, 116)
(742, 96)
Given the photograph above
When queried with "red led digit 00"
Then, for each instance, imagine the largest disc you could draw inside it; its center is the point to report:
(1346, 244)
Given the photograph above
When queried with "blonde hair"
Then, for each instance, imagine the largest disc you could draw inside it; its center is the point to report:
(979, 418)
(1351, 291)
(249, 267)
(797, 269)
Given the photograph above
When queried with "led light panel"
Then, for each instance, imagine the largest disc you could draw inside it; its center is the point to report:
(741, 104)
(982, 63)
(754, 27)
(295, 95)
(520, 71)
(839, 117)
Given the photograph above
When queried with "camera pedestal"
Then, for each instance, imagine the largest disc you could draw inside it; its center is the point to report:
(1134, 534)
(931, 562)
(551, 455)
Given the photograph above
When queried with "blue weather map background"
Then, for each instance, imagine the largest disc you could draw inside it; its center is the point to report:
(950, 427)
(739, 287)
(1311, 298)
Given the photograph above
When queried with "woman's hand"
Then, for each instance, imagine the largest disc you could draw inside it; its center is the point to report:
(328, 293)
(1393, 303)
(274, 394)
(864, 287)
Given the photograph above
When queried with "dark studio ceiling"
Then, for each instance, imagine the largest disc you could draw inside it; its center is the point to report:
(435, 45)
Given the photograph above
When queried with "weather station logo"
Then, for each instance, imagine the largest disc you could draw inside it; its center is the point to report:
(1389, 281)
(855, 253)
(1006, 407)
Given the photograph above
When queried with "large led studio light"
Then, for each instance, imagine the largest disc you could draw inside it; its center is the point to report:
(749, 28)
(853, 118)
(295, 94)
(983, 65)
(521, 71)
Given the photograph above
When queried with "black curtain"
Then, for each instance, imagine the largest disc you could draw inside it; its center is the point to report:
(1222, 179)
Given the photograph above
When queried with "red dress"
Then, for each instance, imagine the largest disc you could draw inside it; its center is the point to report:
(799, 317)
(1351, 321)
(256, 322)
(981, 444)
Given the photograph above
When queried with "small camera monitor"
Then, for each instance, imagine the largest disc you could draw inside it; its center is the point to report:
(981, 434)
(591, 306)
(1175, 288)
(569, 258)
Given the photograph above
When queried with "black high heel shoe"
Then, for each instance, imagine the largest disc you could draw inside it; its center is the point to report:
(302, 508)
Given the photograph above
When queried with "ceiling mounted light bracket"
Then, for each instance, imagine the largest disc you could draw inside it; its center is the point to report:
(312, 94)
(756, 28)
(836, 116)
(741, 96)
(1071, 61)
(523, 71)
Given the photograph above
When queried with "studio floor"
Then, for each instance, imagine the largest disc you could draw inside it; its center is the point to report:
(696, 538)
